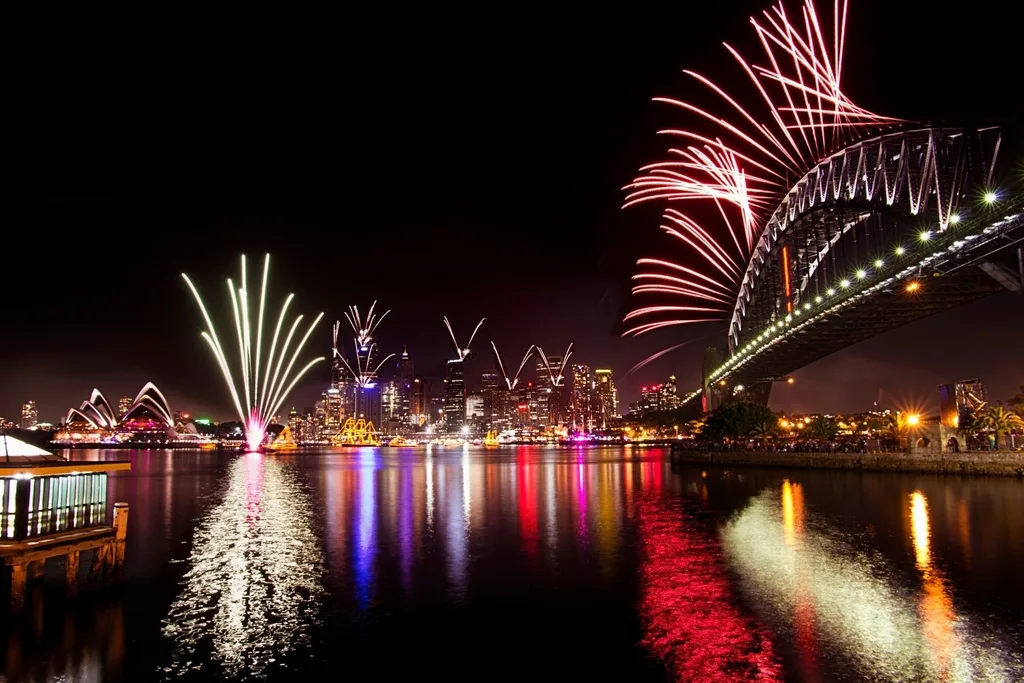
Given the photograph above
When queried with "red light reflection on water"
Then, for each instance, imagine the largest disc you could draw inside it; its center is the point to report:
(526, 478)
(691, 621)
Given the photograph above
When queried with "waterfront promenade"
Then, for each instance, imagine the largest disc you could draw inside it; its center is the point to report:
(995, 463)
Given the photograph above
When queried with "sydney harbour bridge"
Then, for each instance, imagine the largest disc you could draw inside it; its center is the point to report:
(809, 224)
(887, 231)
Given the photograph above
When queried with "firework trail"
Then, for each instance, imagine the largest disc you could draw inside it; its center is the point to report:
(743, 161)
(363, 329)
(511, 382)
(364, 372)
(555, 375)
(264, 386)
(655, 356)
(463, 352)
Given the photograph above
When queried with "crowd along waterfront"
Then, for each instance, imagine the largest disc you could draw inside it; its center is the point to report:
(538, 561)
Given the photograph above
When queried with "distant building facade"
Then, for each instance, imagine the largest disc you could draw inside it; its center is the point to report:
(455, 395)
(29, 415)
(606, 397)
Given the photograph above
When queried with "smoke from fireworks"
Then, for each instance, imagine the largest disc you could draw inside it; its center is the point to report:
(742, 163)
(463, 351)
(511, 382)
(264, 386)
(556, 374)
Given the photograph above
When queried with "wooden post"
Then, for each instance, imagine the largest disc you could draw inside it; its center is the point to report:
(98, 562)
(108, 563)
(120, 535)
(71, 573)
(37, 570)
(19, 577)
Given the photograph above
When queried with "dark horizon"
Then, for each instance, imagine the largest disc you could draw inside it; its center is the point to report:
(436, 171)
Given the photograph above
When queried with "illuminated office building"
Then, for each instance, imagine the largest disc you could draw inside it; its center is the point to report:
(606, 398)
(454, 395)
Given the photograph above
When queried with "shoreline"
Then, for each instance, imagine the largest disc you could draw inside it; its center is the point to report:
(994, 463)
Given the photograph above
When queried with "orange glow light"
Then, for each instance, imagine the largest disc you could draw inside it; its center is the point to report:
(913, 286)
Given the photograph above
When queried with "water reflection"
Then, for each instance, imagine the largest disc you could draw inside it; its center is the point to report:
(691, 620)
(936, 608)
(366, 523)
(253, 585)
(854, 607)
(718, 575)
(803, 611)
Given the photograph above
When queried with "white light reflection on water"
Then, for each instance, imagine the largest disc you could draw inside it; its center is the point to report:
(859, 611)
(253, 586)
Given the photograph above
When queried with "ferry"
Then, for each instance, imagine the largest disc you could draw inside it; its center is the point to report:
(401, 442)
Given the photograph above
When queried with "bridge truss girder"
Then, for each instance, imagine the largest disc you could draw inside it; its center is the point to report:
(853, 209)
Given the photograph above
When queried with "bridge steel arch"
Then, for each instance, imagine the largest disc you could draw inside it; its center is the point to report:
(909, 210)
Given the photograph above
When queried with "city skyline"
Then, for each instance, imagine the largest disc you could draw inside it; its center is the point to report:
(442, 242)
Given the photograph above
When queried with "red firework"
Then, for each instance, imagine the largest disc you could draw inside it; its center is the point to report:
(741, 162)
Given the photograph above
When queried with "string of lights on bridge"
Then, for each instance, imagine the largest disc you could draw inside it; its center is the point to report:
(783, 328)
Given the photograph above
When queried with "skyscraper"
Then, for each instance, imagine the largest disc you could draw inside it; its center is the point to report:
(368, 403)
(492, 395)
(405, 377)
(580, 398)
(29, 415)
(668, 395)
(605, 396)
(454, 395)
(552, 404)
(329, 410)
(419, 402)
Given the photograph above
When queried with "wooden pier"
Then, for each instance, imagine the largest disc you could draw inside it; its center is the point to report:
(58, 509)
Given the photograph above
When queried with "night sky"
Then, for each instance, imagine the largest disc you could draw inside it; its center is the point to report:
(444, 164)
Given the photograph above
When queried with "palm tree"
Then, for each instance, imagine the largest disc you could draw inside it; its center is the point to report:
(765, 430)
(897, 426)
(1000, 420)
(968, 429)
(823, 428)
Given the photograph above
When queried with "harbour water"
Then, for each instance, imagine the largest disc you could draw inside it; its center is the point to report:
(541, 562)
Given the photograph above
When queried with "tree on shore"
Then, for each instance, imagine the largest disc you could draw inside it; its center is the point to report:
(737, 421)
(1001, 421)
(822, 428)
(766, 430)
(897, 426)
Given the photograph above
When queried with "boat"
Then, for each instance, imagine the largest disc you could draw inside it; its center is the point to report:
(491, 439)
(283, 442)
(401, 442)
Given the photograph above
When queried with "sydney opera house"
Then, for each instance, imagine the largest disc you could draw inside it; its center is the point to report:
(148, 419)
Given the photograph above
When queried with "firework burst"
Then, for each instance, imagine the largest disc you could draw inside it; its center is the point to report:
(463, 351)
(511, 382)
(363, 329)
(741, 163)
(556, 374)
(365, 369)
(264, 386)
